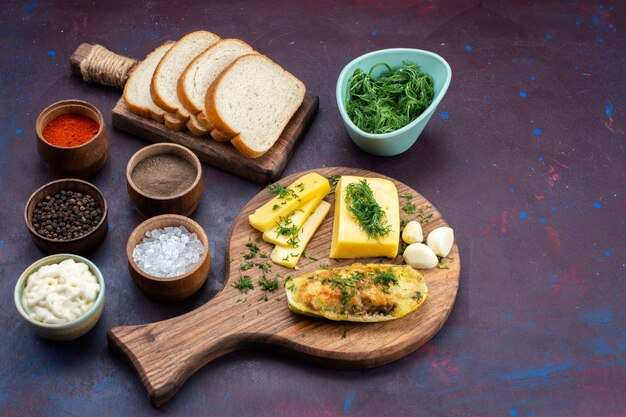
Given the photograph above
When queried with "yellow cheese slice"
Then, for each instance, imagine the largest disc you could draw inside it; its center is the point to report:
(288, 256)
(349, 239)
(299, 192)
(296, 219)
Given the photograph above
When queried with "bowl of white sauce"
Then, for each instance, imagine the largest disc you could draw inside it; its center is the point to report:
(61, 296)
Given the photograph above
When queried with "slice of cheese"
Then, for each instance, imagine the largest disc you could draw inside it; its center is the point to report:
(294, 220)
(349, 239)
(288, 256)
(299, 192)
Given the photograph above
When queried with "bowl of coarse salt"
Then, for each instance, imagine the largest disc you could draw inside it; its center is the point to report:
(168, 257)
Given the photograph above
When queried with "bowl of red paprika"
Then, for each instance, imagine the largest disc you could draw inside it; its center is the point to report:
(72, 139)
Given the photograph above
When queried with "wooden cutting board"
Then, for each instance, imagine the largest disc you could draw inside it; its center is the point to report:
(263, 170)
(166, 353)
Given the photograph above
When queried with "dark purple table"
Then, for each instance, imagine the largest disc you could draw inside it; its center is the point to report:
(524, 158)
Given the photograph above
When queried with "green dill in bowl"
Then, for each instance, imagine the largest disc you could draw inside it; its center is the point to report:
(390, 102)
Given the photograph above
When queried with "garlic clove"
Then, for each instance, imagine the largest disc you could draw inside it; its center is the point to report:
(420, 256)
(412, 233)
(440, 241)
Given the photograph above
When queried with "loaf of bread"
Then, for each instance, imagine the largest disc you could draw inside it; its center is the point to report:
(200, 74)
(137, 89)
(251, 102)
(163, 88)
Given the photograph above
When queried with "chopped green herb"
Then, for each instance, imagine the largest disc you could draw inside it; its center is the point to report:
(403, 223)
(275, 207)
(325, 266)
(334, 179)
(386, 277)
(344, 334)
(269, 284)
(231, 259)
(338, 259)
(390, 102)
(300, 187)
(258, 312)
(246, 265)
(264, 266)
(426, 218)
(282, 192)
(263, 298)
(364, 207)
(243, 284)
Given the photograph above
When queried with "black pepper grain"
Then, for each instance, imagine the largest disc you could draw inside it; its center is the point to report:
(66, 215)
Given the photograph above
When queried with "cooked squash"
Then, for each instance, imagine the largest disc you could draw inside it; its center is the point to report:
(360, 292)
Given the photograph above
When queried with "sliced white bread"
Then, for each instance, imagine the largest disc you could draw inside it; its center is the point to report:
(169, 70)
(137, 89)
(200, 74)
(251, 102)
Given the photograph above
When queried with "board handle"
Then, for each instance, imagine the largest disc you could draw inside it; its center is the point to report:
(95, 63)
(166, 353)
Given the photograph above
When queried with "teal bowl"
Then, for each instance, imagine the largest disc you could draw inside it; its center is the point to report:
(64, 331)
(396, 142)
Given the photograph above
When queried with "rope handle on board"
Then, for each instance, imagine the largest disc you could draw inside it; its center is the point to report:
(95, 63)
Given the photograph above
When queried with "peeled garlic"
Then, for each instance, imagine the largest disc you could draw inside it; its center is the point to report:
(420, 256)
(440, 240)
(412, 232)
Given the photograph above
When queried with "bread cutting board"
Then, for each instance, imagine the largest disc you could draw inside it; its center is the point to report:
(223, 155)
(166, 353)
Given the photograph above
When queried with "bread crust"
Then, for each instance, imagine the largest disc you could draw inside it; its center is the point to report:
(154, 91)
(173, 123)
(221, 130)
(245, 150)
(195, 127)
(181, 88)
(204, 121)
(136, 108)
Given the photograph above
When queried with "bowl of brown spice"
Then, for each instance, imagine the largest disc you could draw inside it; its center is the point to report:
(72, 139)
(164, 178)
(67, 216)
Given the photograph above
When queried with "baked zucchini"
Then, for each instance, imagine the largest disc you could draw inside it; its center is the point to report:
(362, 293)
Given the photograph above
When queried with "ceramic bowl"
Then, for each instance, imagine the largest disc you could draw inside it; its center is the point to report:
(65, 331)
(81, 244)
(174, 288)
(79, 161)
(393, 143)
(149, 205)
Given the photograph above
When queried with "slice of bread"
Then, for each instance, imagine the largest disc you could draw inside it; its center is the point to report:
(171, 67)
(137, 88)
(203, 70)
(251, 102)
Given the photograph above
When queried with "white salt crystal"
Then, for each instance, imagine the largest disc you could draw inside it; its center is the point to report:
(168, 252)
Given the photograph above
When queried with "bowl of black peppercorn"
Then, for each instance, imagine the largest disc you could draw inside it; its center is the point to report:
(67, 216)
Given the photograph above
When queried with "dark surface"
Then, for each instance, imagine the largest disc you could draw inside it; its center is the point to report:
(524, 158)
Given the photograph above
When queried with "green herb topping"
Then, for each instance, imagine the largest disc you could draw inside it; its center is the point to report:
(362, 204)
(269, 284)
(243, 284)
(283, 193)
(388, 103)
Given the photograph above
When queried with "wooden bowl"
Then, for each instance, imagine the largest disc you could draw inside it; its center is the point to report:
(81, 244)
(183, 203)
(79, 161)
(175, 288)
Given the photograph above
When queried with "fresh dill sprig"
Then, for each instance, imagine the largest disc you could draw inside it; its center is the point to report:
(362, 204)
(269, 284)
(243, 284)
(390, 102)
(282, 192)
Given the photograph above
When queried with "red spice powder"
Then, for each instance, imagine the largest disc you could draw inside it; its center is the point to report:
(70, 130)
